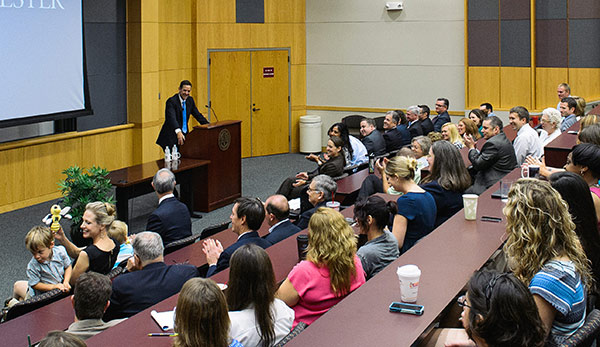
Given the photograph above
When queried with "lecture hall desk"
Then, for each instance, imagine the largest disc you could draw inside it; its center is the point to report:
(555, 153)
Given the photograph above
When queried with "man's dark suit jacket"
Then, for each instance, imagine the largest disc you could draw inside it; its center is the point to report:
(135, 291)
(374, 143)
(302, 222)
(496, 159)
(427, 125)
(440, 120)
(223, 263)
(396, 138)
(171, 220)
(415, 129)
(281, 232)
(174, 119)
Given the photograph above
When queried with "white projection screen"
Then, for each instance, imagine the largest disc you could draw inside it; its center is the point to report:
(42, 57)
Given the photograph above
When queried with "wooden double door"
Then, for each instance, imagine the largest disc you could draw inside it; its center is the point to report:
(253, 86)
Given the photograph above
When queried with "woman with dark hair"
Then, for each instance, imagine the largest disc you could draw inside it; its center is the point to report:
(330, 272)
(573, 190)
(373, 215)
(333, 166)
(355, 152)
(498, 310)
(477, 116)
(584, 160)
(201, 319)
(257, 317)
(447, 181)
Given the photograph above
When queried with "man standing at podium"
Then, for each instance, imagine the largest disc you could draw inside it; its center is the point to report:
(178, 109)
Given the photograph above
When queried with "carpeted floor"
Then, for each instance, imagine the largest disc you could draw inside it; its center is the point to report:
(261, 176)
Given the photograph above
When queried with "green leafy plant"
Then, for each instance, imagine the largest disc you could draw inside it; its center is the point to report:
(82, 187)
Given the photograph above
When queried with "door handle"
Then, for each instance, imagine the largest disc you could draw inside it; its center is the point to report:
(255, 109)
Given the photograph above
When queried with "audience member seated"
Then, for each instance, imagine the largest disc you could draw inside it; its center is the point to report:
(102, 254)
(487, 109)
(414, 125)
(371, 137)
(527, 143)
(277, 212)
(567, 111)
(149, 280)
(424, 120)
(588, 120)
(447, 181)
(477, 116)
(420, 146)
(321, 189)
(497, 310)
(373, 214)
(90, 299)
(49, 268)
(450, 134)
(332, 166)
(466, 126)
(441, 107)
(118, 233)
(545, 253)
(355, 153)
(584, 160)
(416, 207)
(201, 319)
(330, 272)
(396, 133)
(496, 158)
(580, 108)
(171, 219)
(58, 338)
(574, 190)
(257, 317)
(550, 121)
(247, 216)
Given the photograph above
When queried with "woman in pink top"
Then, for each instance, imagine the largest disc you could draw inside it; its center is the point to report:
(332, 269)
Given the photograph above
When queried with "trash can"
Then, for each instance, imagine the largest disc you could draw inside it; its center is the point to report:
(310, 134)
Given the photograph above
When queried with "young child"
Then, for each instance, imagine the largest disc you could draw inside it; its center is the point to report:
(49, 268)
(118, 232)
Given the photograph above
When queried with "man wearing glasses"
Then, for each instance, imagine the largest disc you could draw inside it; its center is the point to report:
(441, 107)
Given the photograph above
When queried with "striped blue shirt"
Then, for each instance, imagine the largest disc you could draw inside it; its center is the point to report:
(560, 285)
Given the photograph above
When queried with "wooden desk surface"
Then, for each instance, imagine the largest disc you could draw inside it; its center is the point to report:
(144, 172)
(447, 258)
(555, 153)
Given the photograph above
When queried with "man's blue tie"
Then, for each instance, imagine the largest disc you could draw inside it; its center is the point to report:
(184, 128)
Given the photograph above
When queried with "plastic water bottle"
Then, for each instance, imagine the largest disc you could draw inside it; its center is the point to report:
(167, 154)
(371, 163)
(175, 155)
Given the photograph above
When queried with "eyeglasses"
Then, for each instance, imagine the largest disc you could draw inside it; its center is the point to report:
(440, 105)
(309, 190)
(462, 301)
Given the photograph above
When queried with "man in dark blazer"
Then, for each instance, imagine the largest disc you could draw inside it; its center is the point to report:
(396, 133)
(320, 190)
(171, 220)
(424, 120)
(496, 158)
(441, 107)
(277, 212)
(371, 137)
(246, 217)
(414, 126)
(175, 126)
(149, 281)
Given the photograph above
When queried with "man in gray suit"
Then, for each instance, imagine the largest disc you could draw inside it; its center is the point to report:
(496, 158)
(371, 137)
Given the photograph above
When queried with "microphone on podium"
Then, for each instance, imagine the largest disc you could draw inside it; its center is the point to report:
(209, 106)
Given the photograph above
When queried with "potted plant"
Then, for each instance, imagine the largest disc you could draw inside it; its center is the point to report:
(80, 188)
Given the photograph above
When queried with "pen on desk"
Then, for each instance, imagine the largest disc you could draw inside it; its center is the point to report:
(491, 219)
(29, 340)
(163, 334)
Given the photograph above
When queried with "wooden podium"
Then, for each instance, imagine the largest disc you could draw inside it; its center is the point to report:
(220, 143)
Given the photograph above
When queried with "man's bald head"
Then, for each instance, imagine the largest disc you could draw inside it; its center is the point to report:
(277, 209)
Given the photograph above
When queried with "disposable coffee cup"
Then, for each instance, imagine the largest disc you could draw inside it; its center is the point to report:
(333, 204)
(470, 206)
(302, 241)
(408, 276)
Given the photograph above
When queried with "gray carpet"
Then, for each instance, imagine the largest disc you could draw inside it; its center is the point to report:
(261, 176)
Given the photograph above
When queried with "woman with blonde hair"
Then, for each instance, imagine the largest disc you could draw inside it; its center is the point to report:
(544, 252)
(467, 126)
(201, 318)
(416, 207)
(450, 134)
(330, 272)
(102, 254)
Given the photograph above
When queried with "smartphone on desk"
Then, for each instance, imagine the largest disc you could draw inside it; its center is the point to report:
(400, 307)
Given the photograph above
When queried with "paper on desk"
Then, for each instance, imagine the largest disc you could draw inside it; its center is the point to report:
(294, 204)
(165, 320)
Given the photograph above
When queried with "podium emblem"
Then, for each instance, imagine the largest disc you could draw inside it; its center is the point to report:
(224, 140)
